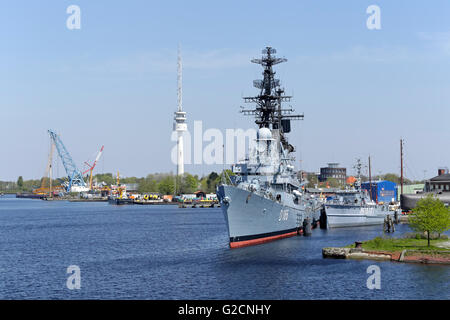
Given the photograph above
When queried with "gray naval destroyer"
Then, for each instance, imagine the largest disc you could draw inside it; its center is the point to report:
(264, 200)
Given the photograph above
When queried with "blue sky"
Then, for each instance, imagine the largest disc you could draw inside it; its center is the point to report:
(113, 82)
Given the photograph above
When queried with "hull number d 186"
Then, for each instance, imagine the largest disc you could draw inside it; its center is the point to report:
(284, 214)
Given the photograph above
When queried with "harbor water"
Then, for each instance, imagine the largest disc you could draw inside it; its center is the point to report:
(166, 252)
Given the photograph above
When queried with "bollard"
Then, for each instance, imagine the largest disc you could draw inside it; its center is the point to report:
(385, 225)
(392, 226)
(323, 218)
(307, 231)
(396, 217)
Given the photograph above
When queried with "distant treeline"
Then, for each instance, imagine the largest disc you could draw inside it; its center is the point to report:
(19, 186)
(164, 183)
(393, 178)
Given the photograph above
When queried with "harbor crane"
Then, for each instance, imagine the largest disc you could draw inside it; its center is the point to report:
(91, 168)
(45, 189)
(76, 182)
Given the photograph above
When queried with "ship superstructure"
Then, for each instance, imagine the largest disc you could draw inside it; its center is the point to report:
(264, 201)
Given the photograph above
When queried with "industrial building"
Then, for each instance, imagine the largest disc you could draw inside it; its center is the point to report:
(410, 189)
(440, 183)
(438, 186)
(382, 191)
(333, 171)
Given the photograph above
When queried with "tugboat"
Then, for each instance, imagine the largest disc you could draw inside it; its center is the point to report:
(354, 208)
(264, 200)
(121, 198)
(120, 195)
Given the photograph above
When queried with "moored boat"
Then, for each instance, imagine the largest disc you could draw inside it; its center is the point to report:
(354, 208)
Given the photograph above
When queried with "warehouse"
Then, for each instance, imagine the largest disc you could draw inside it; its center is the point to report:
(382, 191)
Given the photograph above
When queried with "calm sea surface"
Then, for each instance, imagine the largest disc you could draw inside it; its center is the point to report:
(163, 252)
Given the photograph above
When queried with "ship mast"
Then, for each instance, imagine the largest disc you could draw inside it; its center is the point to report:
(268, 111)
(358, 167)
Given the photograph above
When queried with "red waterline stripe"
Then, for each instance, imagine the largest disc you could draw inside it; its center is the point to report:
(246, 243)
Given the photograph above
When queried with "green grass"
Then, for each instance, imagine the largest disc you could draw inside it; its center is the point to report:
(400, 244)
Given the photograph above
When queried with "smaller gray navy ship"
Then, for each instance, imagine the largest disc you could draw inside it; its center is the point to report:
(264, 200)
(354, 208)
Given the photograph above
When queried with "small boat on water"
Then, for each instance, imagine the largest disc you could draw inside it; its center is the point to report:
(121, 197)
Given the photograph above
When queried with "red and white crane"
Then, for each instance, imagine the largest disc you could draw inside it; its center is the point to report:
(91, 167)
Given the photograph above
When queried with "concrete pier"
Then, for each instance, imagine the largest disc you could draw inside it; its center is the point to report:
(413, 256)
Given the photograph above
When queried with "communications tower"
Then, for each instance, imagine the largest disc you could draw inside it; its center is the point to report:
(180, 119)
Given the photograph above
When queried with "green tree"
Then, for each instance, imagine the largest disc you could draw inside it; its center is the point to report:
(189, 183)
(430, 215)
(20, 182)
(166, 185)
(333, 183)
(312, 180)
(106, 178)
(226, 177)
(211, 181)
(204, 184)
(148, 184)
(390, 177)
(178, 184)
(129, 180)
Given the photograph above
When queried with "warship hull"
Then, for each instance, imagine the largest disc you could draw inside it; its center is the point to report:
(353, 216)
(409, 201)
(252, 219)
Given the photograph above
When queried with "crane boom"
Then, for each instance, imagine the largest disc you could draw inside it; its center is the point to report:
(74, 175)
(93, 166)
(50, 160)
(99, 155)
(44, 189)
(95, 162)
